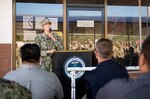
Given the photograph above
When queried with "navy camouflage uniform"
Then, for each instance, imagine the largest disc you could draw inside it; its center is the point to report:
(45, 43)
(12, 90)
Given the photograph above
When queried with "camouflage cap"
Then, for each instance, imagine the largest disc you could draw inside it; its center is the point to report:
(43, 22)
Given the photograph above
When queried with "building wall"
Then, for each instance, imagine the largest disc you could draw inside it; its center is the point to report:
(5, 36)
(6, 32)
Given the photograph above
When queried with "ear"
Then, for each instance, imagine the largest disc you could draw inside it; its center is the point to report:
(112, 53)
(141, 60)
(42, 26)
(142, 63)
(96, 53)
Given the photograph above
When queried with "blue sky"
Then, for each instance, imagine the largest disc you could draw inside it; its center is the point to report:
(37, 9)
(127, 11)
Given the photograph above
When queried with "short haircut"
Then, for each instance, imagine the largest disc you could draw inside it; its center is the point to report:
(104, 47)
(30, 53)
(146, 50)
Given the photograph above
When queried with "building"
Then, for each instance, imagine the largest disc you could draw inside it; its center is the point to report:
(79, 22)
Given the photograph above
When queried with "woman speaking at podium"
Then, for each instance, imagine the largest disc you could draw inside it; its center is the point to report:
(48, 43)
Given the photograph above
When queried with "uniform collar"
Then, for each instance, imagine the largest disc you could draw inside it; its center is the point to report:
(145, 76)
(109, 61)
(44, 35)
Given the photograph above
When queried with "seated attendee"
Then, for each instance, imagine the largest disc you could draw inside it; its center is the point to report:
(131, 89)
(107, 69)
(12, 90)
(42, 84)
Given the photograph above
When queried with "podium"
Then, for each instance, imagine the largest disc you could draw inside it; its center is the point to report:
(64, 59)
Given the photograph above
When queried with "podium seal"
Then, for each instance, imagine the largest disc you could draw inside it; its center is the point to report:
(74, 62)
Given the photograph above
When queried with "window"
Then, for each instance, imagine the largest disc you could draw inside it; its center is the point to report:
(28, 22)
(123, 30)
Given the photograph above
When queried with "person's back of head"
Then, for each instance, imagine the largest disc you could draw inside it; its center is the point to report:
(104, 47)
(30, 53)
(12, 90)
(144, 61)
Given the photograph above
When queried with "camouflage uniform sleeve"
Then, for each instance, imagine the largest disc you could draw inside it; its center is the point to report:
(12, 90)
(38, 41)
(58, 43)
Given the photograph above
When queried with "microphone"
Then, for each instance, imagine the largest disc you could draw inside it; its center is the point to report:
(50, 30)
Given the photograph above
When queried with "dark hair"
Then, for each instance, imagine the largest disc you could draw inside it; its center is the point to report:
(30, 53)
(146, 50)
(104, 47)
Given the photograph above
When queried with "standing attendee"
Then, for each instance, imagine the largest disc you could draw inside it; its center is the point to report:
(48, 43)
(42, 84)
(12, 90)
(107, 69)
(131, 89)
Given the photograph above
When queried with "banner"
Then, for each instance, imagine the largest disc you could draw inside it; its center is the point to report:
(85, 23)
(28, 22)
